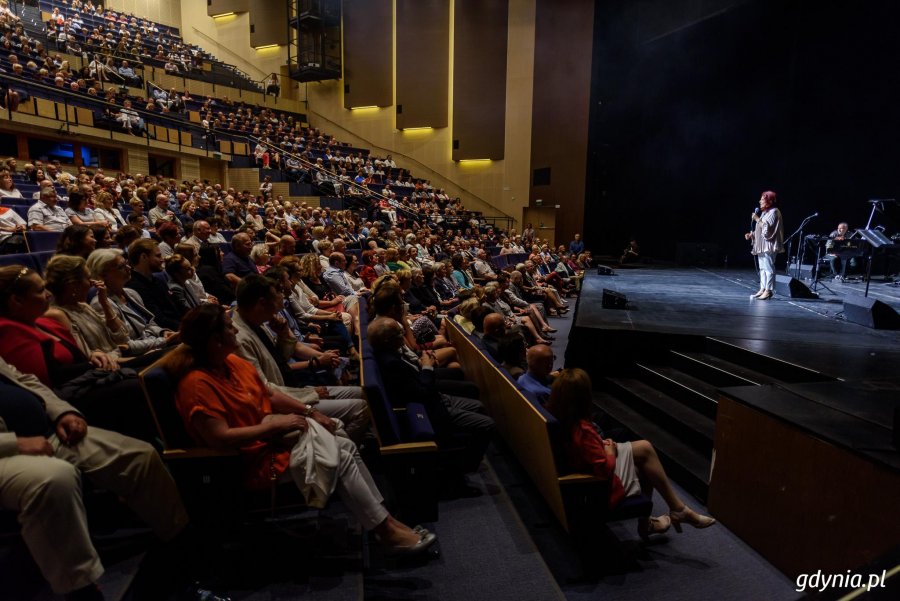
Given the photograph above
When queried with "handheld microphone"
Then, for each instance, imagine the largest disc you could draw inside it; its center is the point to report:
(756, 211)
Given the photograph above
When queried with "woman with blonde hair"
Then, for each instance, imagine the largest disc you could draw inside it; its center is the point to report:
(68, 279)
(631, 468)
(318, 293)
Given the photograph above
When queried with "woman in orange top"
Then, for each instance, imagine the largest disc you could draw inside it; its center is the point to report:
(225, 404)
(631, 467)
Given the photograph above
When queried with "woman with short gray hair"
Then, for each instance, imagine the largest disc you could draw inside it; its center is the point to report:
(143, 334)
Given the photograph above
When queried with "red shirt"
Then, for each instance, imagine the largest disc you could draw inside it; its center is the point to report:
(241, 400)
(368, 275)
(38, 349)
(587, 455)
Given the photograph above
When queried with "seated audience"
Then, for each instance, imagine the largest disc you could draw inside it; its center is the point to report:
(46, 449)
(180, 271)
(143, 334)
(631, 468)
(45, 215)
(539, 377)
(409, 378)
(226, 405)
(145, 259)
(271, 349)
(77, 240)
(212, 278)
(12, 232)
(46, 346)
(237, 263)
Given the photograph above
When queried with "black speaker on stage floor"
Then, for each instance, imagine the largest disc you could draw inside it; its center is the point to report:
(613, 299)
(871, 313)
(604, 270)
(785, 285)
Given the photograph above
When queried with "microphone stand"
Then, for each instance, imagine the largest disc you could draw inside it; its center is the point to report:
(752, 238)
(802, 249)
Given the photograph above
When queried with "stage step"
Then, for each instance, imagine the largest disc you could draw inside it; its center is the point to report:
(718, 372)
(696, 393)
(684, 463)
(683, 422)
(778, 369)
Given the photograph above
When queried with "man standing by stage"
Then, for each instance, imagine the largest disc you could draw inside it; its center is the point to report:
(768, 241)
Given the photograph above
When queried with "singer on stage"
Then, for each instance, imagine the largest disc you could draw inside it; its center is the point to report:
(768, 241)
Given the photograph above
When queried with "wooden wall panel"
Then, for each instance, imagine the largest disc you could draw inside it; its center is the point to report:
(190, 168)
(803, 503)
(423, 63)
(561, 107)
(368, 53)
(220, 7)
(480, 30)
(137, 160)
(268, 23)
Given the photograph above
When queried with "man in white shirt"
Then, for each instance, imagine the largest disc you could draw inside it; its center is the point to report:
(45, 215)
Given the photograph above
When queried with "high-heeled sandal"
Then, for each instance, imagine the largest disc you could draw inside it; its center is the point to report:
(426, 539)
(652, 525)
(689, 516)
(550, 330)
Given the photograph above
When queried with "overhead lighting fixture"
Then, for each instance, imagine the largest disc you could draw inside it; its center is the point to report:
(220, 15)
(423, 128)
(361, 108)
(474, 161)
(266, 46)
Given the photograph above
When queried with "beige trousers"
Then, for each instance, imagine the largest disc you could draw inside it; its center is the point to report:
(46, 493)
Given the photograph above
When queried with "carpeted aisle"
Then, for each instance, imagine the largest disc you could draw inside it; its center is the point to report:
(485, 553)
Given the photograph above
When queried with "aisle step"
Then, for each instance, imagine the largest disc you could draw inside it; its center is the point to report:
(696, 393)
(693, 428)
(683, 463)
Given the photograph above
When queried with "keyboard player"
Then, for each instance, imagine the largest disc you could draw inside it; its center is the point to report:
(837, 240)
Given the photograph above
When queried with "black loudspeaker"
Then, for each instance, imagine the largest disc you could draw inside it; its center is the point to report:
(613, 299)
(604, 270)
(871, 313)
(807, 271)
(785, 285)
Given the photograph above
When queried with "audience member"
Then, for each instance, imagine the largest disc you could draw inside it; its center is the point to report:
(630, 467)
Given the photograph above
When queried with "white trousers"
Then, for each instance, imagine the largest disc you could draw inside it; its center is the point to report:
(766, 271)
(355, 485)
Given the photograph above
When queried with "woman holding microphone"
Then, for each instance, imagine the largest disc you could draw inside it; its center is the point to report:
(768, 240)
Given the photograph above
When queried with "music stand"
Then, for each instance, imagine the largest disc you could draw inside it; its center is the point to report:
(802, 245)
(817, 267)
(876, 239)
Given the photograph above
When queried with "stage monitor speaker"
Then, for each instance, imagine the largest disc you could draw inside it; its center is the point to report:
(871, 313)
(613, 299)
(785, 285)
(807, 271)
(604, 270)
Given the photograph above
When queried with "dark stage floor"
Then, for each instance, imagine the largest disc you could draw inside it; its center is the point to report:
(716, 304)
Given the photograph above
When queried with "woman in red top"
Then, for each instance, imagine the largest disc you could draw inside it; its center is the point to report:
(36, 344)
(225, 404)
(631, 467)
(367, 271)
